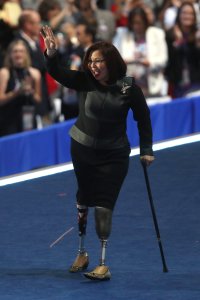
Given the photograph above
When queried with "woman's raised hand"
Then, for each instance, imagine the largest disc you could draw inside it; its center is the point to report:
(49, 40)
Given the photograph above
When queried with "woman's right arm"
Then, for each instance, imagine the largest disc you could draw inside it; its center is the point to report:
(72, 79)
(5, 97)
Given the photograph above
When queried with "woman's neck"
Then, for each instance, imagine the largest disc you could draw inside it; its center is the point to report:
(139, 36)
(186, 29)
(19, 66)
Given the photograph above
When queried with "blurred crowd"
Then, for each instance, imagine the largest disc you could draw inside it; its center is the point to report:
(159, 40)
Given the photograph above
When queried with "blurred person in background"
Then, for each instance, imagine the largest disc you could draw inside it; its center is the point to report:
(144, 49)
(29, 32)
(103, 20)
(62, 20)
(121, 9)
(53, 14)
(20, 90)
(86, 37)
(184, 54)
(27, 4)
(69, 30)
(71, 56)
(168, 12)
(10, 12)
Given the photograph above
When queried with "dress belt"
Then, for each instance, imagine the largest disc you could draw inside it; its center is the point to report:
(90, 141)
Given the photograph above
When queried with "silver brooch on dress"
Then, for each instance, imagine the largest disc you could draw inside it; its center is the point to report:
(125, 87)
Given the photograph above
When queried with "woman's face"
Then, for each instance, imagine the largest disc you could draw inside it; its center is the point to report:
(98, 68)
(138, 25)
(18, 55)
(187, 17)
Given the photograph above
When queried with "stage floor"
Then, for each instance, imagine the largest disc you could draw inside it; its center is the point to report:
(35, 213)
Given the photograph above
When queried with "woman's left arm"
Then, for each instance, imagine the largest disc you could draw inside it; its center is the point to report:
(141, 114)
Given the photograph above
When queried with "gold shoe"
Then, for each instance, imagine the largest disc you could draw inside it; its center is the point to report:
(99, 273)
(81, 262)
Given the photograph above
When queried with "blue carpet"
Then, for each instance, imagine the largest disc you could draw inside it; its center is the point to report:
(35, 213)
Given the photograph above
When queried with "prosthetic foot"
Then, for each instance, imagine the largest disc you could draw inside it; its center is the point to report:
(100, 273)
(82, 260)
(80, 264)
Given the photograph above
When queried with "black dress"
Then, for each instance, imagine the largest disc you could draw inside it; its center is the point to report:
(100, 148)
(11, 112)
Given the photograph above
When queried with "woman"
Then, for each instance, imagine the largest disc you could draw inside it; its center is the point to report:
(99, 145)
(121, 8)
(52, 13)
(19, 90)
(184, 53)
(144, 49)
(168, 12)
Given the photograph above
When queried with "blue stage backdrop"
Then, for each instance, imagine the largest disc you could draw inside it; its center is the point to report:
(50, 146)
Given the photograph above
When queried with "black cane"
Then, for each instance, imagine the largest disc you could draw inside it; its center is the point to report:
(154, 217)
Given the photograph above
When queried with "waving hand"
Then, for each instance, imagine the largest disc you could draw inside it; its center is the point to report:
(49, 40)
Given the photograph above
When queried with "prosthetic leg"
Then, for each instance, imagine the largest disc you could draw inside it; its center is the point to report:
(82, 260)
(103, 220)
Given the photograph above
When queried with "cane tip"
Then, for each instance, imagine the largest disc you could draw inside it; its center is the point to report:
(165, 270)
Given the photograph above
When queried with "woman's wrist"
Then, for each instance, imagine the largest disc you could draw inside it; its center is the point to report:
(51, 52)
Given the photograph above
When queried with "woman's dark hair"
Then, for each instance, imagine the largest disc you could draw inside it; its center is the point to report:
(47, 5)
(137, 11)
(177, 22)
(116, 66)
